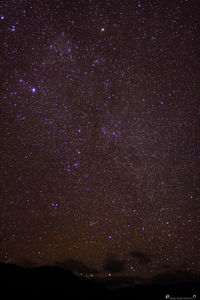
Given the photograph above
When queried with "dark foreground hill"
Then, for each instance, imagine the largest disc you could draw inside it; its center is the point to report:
(54, 281)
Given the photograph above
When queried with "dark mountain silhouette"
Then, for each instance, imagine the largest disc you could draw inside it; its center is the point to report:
(52, 280)
(48, 281)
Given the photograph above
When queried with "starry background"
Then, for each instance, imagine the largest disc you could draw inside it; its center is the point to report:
(100, 135)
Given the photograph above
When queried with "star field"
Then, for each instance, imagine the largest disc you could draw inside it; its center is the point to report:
(100, 134)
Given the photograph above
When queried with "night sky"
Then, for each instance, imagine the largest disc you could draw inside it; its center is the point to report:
(100, 135)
